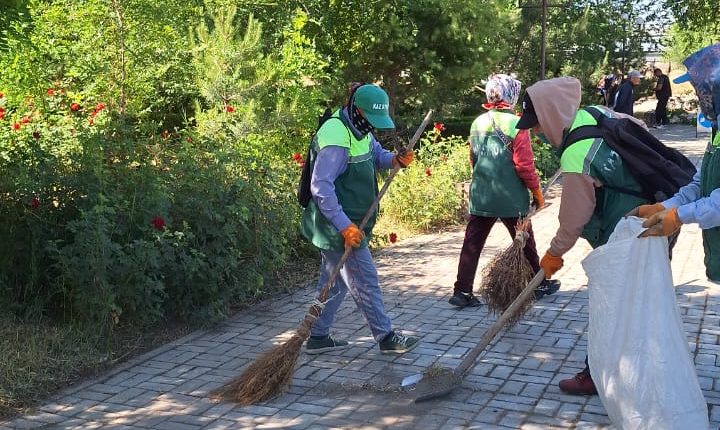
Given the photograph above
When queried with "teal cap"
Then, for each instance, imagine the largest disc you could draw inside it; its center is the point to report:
(374, 103)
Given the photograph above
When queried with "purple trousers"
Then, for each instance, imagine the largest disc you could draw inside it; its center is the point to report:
(476, 234)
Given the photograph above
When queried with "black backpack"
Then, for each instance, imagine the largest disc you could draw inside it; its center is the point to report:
(659, 170)
(303, 193)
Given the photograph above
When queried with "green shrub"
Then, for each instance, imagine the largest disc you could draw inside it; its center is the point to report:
(546, 160)
(104, 224)
(424, 195)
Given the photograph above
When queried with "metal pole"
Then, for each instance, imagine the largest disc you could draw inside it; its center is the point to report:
(543, 38)
(622, 67)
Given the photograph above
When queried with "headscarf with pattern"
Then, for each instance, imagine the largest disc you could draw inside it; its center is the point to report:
(502, 91)
(703, 71)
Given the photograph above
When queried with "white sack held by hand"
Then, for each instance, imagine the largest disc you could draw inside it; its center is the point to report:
(637, 349)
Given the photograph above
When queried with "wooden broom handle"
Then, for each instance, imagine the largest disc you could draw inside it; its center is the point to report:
(333, 275)
(469, 360)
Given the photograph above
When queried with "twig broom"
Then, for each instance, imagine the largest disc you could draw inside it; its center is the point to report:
(509, 272)
(272, 371)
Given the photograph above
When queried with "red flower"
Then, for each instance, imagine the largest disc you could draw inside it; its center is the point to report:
(2, 113)
(393, 237)
(298, 159)
(439, 127)
(229, 109)
(74, 107)
(158, 223)
(25, 120)
(16, 126)
(50, 92)
(34, 203)
(99, 107)
(428, 172)
(2, 95)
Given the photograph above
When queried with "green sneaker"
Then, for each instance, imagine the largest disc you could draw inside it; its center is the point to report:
(396, 343)
(318, 345)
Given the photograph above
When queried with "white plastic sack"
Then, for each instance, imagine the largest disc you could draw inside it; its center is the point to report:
(638, 353)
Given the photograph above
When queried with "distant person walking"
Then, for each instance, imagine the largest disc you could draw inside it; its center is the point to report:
(624, 98)
(610, 87)
(663, 92)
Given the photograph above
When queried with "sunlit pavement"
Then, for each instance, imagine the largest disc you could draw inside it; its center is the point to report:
(514, 384)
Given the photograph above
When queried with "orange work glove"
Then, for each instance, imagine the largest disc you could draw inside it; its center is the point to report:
(403, 158)
(352, 235)
(551, 264)
(538, 199)
(662, 223)
(646, 211)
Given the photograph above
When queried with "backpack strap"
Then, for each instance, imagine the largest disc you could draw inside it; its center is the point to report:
(586, 131)
(504, 138)
(594, 132)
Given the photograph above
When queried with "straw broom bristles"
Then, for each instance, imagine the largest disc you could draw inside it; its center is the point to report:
(269, 374)
(507, 275)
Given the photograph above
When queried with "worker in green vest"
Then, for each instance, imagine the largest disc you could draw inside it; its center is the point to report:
(699, 201)
(592, 202)
(343, 186)
(503, 180)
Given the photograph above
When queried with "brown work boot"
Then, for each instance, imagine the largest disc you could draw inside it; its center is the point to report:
(580, 384)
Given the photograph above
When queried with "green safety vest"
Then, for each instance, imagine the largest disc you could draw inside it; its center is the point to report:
(356, 188)
(709, 181)
(495, 190)
(595, 158)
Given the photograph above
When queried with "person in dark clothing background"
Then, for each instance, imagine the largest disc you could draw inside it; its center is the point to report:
(663, 92)
(624, 98)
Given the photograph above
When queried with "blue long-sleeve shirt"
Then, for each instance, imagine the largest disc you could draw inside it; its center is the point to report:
(695, 209)
(332, 162)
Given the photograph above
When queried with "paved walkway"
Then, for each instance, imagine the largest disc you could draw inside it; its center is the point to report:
(513, 386)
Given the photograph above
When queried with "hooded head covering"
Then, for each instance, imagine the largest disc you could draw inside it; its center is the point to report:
(703, 72)
(502, 91)
(555, 103)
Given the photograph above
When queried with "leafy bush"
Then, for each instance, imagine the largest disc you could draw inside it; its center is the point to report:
(546, 160)
(428, 194)
(424, 195)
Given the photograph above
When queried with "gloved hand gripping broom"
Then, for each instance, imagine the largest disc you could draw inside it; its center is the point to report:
(271, 372)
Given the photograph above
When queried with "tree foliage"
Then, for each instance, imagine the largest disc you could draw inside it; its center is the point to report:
(697, 25)
(146, 147)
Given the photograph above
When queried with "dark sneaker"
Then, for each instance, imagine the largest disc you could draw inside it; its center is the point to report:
(463, 300)
(318, 345)
(396, 343)
(581, 385)
(548, 287)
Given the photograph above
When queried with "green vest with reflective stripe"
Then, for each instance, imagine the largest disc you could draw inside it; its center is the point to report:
(595, 158)
(495, 190)
(709, 181)
(356, 188)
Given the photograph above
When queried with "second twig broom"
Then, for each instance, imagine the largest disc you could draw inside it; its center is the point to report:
(272, 371)
(508, 272)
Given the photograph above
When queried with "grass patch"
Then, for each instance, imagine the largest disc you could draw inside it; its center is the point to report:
(37, 357)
